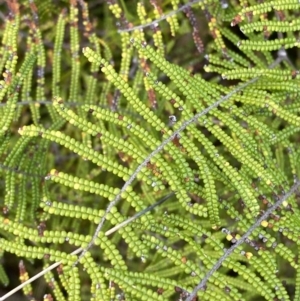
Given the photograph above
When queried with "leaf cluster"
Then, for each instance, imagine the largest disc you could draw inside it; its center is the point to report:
(139, 142)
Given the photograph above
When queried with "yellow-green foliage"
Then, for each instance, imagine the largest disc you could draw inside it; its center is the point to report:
(86, 97)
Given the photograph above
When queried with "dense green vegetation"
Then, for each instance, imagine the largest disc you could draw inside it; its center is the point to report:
(181, 116)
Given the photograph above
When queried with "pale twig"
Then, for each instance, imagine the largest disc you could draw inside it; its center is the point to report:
(117, 227)
(217, 265)
(170, 14)
(40, 274)
(77, 251)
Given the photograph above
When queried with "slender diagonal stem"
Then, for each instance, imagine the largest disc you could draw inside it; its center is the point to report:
(217, 265)
(35, 277)
(77, 251)
(117, 227)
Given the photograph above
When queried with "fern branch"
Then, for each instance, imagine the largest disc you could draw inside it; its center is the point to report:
(161, 147)
(217, 265)
(77, 251)
(156, 151)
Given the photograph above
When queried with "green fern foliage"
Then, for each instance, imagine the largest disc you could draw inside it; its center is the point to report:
(89, 97)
